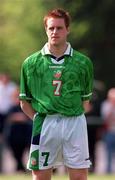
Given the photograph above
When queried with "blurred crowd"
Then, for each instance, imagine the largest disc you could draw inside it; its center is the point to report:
(16, 127)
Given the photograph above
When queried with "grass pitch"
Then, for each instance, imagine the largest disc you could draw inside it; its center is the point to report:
(29, 177)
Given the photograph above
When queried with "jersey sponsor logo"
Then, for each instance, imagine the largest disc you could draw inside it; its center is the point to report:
(55, 67)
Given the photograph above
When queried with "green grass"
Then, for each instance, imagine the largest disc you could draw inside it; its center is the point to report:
(28, 177)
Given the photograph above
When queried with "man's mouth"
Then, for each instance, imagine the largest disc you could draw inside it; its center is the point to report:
(55, 37)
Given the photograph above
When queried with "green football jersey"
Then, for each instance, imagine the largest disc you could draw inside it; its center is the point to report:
(57, 87)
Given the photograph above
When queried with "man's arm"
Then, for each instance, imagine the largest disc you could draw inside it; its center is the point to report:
(87, 106)
(27, 108)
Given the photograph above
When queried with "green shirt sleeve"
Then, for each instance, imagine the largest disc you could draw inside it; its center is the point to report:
(24, 90)
(88, 81)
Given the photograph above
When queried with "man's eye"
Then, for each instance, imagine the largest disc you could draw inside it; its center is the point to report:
(51, 28)
(59, 28)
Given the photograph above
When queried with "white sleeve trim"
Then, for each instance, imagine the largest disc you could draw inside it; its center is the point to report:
(24, 95)
(87, 95)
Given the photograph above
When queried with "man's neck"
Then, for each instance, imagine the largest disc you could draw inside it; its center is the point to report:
(57, 50)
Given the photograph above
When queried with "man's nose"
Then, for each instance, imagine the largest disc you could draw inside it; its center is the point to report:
(55, 30)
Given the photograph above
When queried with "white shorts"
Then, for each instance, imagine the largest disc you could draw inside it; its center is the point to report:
(62, 141)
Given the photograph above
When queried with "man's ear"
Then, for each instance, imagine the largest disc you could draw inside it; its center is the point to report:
(45, 28)
(68, 30)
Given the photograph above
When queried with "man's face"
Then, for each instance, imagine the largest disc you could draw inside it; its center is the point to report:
(56, 31)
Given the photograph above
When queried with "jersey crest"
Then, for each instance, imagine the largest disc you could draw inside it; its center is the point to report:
(57, 74)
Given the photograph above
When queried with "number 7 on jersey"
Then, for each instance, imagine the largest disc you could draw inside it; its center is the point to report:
(57, 84)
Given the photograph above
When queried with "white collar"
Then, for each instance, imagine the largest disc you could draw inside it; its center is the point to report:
(69, 50)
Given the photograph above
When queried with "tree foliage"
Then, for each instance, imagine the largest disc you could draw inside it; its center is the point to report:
(92, 32)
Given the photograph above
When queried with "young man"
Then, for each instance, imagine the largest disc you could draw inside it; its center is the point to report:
(56, 85)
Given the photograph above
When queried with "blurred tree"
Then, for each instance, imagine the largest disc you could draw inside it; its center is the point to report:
(20, 33)
(92, 32)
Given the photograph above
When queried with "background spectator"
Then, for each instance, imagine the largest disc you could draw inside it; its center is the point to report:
(108, 115)
(6, 89)
(18, 131)
(94, 121)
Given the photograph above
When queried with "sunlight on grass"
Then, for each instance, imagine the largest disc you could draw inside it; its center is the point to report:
(29, 177)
